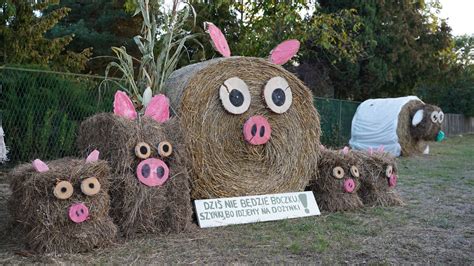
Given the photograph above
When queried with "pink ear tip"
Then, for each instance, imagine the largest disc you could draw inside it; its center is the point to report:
(284, 51)
(123, 106)
(40, 166)
(218, 40)
(158, 108)
(93, 156)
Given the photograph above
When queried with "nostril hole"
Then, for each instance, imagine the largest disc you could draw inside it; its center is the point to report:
(160, 172)
(146, 171)
(262, 131)
(254, 130)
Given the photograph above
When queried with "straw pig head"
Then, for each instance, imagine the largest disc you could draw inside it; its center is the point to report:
(426, 123)
(71, 186)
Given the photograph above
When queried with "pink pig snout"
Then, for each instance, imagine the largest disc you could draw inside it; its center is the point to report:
(78, 212)
(257, 130)
(152, 172)
(349, 185)
(392, 180)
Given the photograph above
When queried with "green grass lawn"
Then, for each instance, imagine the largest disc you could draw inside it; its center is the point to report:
(434, 226)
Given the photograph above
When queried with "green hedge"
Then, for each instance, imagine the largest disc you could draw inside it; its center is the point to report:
(42, 111)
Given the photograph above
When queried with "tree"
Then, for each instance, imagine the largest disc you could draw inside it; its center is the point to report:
(22, 33)
(404, 41)
(99, 25)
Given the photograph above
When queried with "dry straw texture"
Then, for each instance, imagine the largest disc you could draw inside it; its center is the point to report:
(43, 220)
(221, 163)
(329, 190)
(413, 139)
(375, 190)
(137, 208)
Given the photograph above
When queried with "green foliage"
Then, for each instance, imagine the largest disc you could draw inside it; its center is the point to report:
(161, 44)
(404, 42)
(41, 112)
(454, 91)
(23, 42)
(98, 25)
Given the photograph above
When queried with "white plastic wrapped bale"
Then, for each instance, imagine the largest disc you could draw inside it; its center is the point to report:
(3, 147)
(375, 124)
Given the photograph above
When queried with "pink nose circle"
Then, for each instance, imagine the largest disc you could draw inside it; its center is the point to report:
(349, 185)
(78, 212)
(257, 130)
(152, 172)
(392, 180)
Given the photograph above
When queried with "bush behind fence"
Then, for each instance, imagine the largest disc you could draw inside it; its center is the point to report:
(41, 112)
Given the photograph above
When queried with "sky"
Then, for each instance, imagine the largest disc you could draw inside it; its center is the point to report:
(460, 15)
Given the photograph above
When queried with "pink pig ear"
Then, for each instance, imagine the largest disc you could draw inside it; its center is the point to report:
(284, 52)
(218, 40)
(123, 106)
(93, 156)
(381, 148)
(371, 151)
(158, 108)
(40, 166)
(345, 151)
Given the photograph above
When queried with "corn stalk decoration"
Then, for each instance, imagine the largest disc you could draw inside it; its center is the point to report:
(162, 43)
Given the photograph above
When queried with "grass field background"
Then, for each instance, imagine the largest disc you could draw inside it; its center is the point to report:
(434, 226)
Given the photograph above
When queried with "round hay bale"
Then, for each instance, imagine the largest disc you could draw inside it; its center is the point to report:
(136, 207)
(401, 126)
(413, 139)
(377, 184)
(221, 162)
(337, 182)
(44, 219)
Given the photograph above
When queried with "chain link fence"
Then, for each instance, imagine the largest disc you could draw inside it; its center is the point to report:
(40, 112)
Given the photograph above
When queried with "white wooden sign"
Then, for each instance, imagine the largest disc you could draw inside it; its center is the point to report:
(251, 209)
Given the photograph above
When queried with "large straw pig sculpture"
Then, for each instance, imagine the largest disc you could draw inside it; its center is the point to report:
(249, 126)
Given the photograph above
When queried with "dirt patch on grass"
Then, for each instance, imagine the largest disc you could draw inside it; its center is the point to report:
(435, 226)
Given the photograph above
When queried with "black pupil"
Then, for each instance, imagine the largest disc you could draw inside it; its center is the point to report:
(278, 97)
(166, 148)
(236, 98)
(143, 150)
(91, 185)
(63, 190)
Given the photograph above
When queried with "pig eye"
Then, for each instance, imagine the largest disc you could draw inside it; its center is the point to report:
(389, 171)
(63, 190)
(434, 116)
(90, 186)
(338, 172)
(277, 94)
(354, 171)
(440, 117)
(142, 150)
(235, 96)
(165, 149)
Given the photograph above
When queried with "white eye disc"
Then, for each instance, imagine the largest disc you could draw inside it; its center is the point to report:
(434, 116)
(440, 116)
(277, 94)
(235, 96)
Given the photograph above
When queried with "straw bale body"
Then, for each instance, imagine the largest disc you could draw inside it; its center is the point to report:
(221, 162)
(337, 182)
(136, 207)
(379, 174)
(413, 139)
(42, 218)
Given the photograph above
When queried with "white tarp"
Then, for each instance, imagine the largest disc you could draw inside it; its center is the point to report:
(3, 147)
(375, 123)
